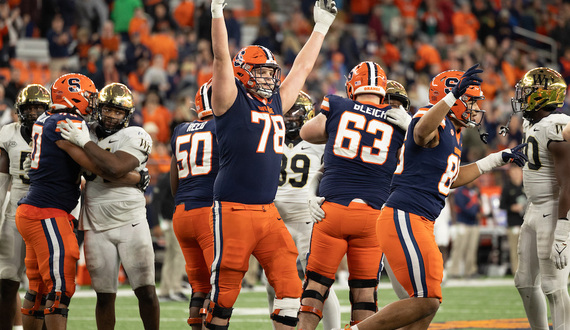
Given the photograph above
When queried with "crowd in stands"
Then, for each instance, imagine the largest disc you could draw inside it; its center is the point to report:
(161, 49)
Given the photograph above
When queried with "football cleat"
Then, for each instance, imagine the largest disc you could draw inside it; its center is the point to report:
(29, 96)
(463, 110)
(73, 92)
(256, 68)
(366, 78)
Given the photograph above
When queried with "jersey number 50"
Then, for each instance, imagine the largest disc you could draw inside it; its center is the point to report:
(187, 151)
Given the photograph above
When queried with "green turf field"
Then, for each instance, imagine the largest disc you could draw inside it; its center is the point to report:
(467, 305)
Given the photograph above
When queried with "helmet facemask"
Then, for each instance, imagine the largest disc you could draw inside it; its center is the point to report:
(31, 102)
(294, 120)
(264, 85)
(470, 117)
(113, 100)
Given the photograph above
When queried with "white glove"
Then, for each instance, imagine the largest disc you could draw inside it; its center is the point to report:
(324, 13)
(399, 117)
(560, 250)
(27, 165)
(317, 213)
(218, 8)
(73, 134)
(515, 155)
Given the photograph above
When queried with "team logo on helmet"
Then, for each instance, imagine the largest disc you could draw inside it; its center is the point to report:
(540, 88)
(366, 78)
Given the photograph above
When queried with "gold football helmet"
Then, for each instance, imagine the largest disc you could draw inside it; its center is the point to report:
(396, 91)
(300, 112)
(30, 95)
(118, 97)
(540, 88)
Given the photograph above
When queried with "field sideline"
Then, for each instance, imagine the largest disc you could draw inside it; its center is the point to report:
(468, 304)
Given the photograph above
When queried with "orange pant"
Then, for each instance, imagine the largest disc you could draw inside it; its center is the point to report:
(51, 248)
(349, 230)
(409, 244)
(192, 229)
(241, 230)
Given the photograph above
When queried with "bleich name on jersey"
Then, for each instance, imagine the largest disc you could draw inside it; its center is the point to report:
(196, 126)
(381, 113)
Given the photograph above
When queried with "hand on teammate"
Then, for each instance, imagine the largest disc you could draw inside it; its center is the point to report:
(145, 179)
(73, 134)
(469, 78)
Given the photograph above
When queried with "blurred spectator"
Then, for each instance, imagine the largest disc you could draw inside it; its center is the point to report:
(5, 108)
(513, 201)
(91, 14)
(163, 43)
(428, 59)
(186, 44)
(59, 40)
(154, 111)
(135, 78)
(184, 14)
(123, 11)
(182, 112)
(465, 242)
(204, 62)
(108, 72)
(14, 85)
(140, 24)
(134, 51)
(204, 22)
(109, 40)
(155, 76)
(234, 28)
(83, 45)
(162, 19)
(465, 24)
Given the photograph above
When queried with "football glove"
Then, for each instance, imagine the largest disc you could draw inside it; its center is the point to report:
(73, 134)
(27, 165)
(145, 179)
(324, 13)
(560, 249)
(217, 8)
(317, 213)
(399, 117)
(500, 158)
(469, 78)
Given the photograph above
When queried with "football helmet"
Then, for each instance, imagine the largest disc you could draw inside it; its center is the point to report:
(366, 78)
(118, 97)
(300, 112)
(248, 65)
(540, 88)
(396, 91)
(202, 101)
(31, 95)
(462, 110)
(73, 92)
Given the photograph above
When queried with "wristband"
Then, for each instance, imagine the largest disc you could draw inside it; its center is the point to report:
(321, 28)
(449, 99)
(218, 10)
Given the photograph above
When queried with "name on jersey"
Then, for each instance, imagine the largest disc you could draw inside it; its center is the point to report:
(265, 108)
(196, 126)
(379, 113)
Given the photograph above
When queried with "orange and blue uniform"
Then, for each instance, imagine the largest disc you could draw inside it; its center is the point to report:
(43, 216)
(417, 195)
(244, 219)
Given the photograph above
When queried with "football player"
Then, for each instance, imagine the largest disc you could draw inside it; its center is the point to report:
(543, 241)
(15, 140)
(43, 216)
(248, 101)
(396, 95)
(194, 166)
(362, 142)
(113, 217)
(300, 163)
(428, 168)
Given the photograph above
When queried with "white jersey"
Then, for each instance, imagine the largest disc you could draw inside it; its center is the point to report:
(539, 178)
(108, 205)
(299, 164)
(18, 149)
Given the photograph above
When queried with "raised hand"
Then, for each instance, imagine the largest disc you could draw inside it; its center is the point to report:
(469, 78)
(217, 8)
(324, 13)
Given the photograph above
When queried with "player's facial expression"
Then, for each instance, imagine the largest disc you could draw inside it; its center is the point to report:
(111, 117)
(395, 103)
(266, 74)
(32, 111)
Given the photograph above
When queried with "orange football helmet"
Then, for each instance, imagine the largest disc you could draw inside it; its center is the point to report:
(73, 92)
(366, 78)
(202, 101)
(246, 64)
(462, 110)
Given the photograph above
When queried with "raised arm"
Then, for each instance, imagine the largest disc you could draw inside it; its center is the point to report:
(224, 90)
(324, 13)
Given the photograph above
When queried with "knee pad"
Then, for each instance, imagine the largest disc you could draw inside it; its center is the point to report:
(215, 310)
(58, 298)
(315, 294)
(286, 311)
(363, 305)
(38, 301)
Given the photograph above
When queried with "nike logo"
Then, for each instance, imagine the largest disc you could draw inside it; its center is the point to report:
(537, 129)
(545, 215)
(135, 224)
(113, 141)
(305, 148)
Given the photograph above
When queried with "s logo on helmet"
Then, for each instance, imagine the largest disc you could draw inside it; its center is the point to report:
(239, 58)
(74, 85)
(450, 83)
